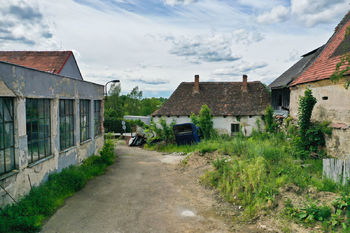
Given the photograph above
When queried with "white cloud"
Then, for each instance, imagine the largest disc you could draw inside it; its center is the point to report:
(22, 22)
(178, 2)
(214, 48)
(240, 69)
(276, 15)
(312, 12)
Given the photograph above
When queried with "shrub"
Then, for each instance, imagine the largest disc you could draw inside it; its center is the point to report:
(205, 122)
(270, 123)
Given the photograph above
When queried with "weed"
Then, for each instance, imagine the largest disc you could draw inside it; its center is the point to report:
(42, 201)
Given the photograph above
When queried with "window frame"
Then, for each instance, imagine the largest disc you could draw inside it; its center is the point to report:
(67, 130)
(43, 137)
(97, 118)
(3, 124)
(84, 111)
(234, 128)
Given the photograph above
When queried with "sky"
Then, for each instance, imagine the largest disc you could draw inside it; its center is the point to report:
(157, 44)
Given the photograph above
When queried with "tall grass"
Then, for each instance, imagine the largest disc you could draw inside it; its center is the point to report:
(252, 170)
(42, 201)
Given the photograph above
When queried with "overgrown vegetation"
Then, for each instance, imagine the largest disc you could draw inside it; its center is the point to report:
(205, 122)
(42, 201)
(252, 171)
(270, 123)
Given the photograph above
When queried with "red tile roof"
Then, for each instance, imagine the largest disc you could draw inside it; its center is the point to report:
(48, 61)
(325, 64)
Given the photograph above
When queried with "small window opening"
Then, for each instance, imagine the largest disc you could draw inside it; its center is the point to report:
(234, 129)
(325, 97)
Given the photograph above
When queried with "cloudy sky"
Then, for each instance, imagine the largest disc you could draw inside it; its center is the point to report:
(156, 44)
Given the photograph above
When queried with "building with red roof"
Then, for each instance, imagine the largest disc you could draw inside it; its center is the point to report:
(56, 62)
(332, 97)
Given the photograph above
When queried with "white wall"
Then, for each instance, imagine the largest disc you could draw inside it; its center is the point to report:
(222, 124)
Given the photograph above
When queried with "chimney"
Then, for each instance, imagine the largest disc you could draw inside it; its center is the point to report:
(196, 84)
(245, 83)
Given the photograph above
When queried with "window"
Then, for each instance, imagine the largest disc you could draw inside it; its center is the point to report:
(234, 128)
(66, 124)
(84, 120)
(7, 149)
(98, 117)
(38, 129)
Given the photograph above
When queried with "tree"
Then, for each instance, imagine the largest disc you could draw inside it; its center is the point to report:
(205, 122)
(343, 66)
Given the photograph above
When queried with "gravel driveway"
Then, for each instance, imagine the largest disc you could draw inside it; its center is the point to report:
(143, 191)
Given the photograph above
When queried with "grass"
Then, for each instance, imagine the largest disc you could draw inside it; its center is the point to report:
(42, 201)
(252, 170)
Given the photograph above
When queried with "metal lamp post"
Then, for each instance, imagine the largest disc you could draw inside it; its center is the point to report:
(112, 81)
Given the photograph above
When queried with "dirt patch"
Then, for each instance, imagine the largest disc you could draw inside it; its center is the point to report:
(268, 221)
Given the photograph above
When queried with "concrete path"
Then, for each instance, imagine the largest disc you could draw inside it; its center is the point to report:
(142, 192)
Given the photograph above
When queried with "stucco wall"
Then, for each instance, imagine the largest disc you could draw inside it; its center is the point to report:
(332, 105)
(222, 124)
(24, 83)
(70, 69)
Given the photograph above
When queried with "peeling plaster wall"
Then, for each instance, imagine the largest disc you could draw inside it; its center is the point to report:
(332, 105)
(222, 124)
(22, 83)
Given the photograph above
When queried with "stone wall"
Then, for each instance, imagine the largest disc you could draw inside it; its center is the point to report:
(333, 106)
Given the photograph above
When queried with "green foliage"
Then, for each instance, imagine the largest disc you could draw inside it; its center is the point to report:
(42, 201)
(315, 135)
(117, 106)
(306, 105)
(194, 119)
(343, 66)
(270, 123)
(164, 132)
(205, 122)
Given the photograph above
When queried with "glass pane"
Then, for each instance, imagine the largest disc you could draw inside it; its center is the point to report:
(42, 127)
(48, 146)
(35, 130)
(1, 136)
(8, 110)
(61, 107)
(47, 108)
(8, 134)
(47, 127)
(10, 159)
(41, 110)
(35, 148)
(42, 149)
(2, 164)
(1, 110)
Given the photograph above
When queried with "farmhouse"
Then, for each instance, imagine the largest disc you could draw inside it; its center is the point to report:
(332, 98)
(47, 121)
(280, 92)
(234, 105)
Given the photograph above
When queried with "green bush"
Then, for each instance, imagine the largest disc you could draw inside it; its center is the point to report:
(42, 201)
(270, 123)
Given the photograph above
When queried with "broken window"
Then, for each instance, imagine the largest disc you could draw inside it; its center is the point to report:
(97, 117)
(7, 149)
(38, 129)
(66, 124)
(84, 120)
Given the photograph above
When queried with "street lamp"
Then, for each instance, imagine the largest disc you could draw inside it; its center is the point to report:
(112, 81)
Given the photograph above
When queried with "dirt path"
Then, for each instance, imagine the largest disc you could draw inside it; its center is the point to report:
(143, 191)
